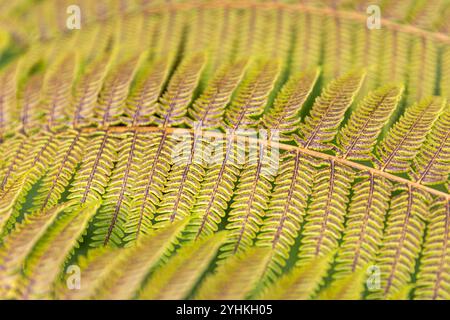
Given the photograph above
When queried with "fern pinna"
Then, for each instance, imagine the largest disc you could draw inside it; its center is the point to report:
(166, 149)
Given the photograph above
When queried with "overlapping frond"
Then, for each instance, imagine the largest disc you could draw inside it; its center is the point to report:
(176, 278)
(251, 197)
(245, 270)
(184, 179)
(134, 264)
(252, 95)
(48, 256)
(111, 219)
(349, 287)
(300, 283)
(113, 273)
(19, 243)
(61, 170)
(86, 90)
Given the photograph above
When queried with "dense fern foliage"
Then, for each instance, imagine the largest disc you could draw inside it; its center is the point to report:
(224, 150)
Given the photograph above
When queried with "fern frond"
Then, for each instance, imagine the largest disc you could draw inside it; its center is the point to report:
(286, 209)
(349, 287)
(48, 256)
(114, 93)
(19, 243)
(172, 106)
(14, 151)
(184, 179)
(432, 163)
(110, 220)
(245, 270)
(423, 62)
(402, 241)
(209, 108)
(403, 141)
(29, 100)
(223, 169)
(33, 167)
(149, 183)
(308, 42)
(175, 279)
(357, 139)
(132, 267)
(95, 268)
(86, 91)
(365, 222)
(91, 179)
(141, 103)
(284, 115)
(216, 189)
(328, 110)
(8, 198)
(325, 215)
(252, 95)
(433, 279)
(251, 198)
(300, 283)
(8, 90)
(61, 170)
(57, 92)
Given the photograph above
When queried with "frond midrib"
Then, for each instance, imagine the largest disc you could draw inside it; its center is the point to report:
(286, 147)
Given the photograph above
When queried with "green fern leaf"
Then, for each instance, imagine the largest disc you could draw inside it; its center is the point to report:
(284, 115)
(141, 103)
(365, 222)
(209, 108)
(300, 283)
(44, 262)
(114, 93)
(357, 139)
(286, 209)
(20, 242)
(223, 170)
(328, 111)
(403, 141)
(433, 281)
(91, 179)
(325, 215)
(401, 241)
(173, 104)
(432, 164)
(176, 278)
(245, 269)
(349, 287)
